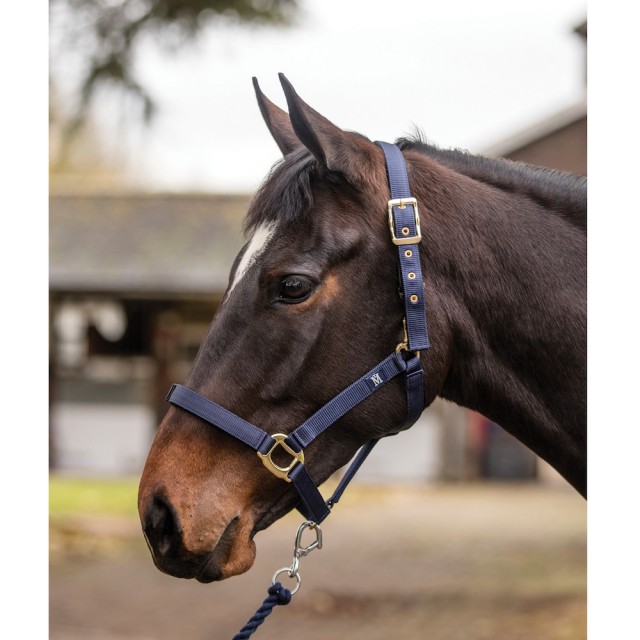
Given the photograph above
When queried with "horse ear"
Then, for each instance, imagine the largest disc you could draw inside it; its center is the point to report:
(338, 150)
(277, 122)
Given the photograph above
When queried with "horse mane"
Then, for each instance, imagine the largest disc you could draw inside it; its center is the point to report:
(286, 196)
(557, 190)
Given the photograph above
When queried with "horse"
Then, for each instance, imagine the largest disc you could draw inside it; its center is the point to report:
(312, 303)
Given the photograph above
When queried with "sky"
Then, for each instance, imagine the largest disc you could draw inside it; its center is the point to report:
(466, 73)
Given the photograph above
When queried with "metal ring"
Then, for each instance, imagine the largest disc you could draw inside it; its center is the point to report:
(291, 575)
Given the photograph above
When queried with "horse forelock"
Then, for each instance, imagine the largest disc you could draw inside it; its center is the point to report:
(285, 196)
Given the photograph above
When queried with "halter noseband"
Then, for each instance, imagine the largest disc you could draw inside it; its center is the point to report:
(404, 224)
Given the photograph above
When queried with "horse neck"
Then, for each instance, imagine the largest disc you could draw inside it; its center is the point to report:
(505, 279)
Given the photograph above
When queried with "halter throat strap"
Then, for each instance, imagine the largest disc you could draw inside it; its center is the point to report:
(404, 225)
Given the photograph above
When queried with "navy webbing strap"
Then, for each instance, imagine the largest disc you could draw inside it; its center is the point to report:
(346, 400)
(414, 387)
(220, 417)
(404, 223)
(361, 456)
(313, 505)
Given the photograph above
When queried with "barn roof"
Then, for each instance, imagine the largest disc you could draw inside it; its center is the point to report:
(538, 130)
(146, 244)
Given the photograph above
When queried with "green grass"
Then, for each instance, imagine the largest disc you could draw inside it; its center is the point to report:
(78, 496)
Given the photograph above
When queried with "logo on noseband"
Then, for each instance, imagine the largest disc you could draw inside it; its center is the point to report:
(376, 379)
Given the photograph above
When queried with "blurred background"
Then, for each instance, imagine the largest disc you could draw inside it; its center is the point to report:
(156, 145)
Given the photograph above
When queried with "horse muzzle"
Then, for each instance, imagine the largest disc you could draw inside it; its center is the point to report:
(210, 552)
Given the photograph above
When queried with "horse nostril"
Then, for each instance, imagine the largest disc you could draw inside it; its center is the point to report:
(161, 526)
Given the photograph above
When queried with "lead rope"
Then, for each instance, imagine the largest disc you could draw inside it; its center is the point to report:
(279, 595)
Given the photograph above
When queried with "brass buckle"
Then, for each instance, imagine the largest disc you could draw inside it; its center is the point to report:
(401, 203)
(267, 460)
(404, 345)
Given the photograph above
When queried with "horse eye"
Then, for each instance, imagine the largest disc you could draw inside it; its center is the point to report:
(295, 289)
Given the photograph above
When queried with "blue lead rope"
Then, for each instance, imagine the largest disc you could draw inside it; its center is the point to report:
(278, 595)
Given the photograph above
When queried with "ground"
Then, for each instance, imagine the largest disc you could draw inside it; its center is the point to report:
(456, 562)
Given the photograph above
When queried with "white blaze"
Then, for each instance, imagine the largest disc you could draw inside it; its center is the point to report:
(257, 245)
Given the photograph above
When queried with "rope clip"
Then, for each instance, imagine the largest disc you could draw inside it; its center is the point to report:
(300, 551)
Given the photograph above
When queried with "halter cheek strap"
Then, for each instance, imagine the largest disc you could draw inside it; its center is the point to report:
(404, 224)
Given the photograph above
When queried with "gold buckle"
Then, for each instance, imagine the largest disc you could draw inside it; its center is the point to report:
(404, 345)
(267, 460)
(401, 203)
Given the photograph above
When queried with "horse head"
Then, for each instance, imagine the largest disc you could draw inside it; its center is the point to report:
(312, 303)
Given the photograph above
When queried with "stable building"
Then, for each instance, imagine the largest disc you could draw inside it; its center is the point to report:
(134, 283)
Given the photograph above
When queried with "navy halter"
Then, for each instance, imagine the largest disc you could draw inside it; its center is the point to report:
(404, 224)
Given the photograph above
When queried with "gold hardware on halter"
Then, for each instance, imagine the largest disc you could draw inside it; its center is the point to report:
(404, 345)
(402, 203)
(267, 460)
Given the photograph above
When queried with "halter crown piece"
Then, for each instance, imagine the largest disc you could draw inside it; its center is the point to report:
(404, 224)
